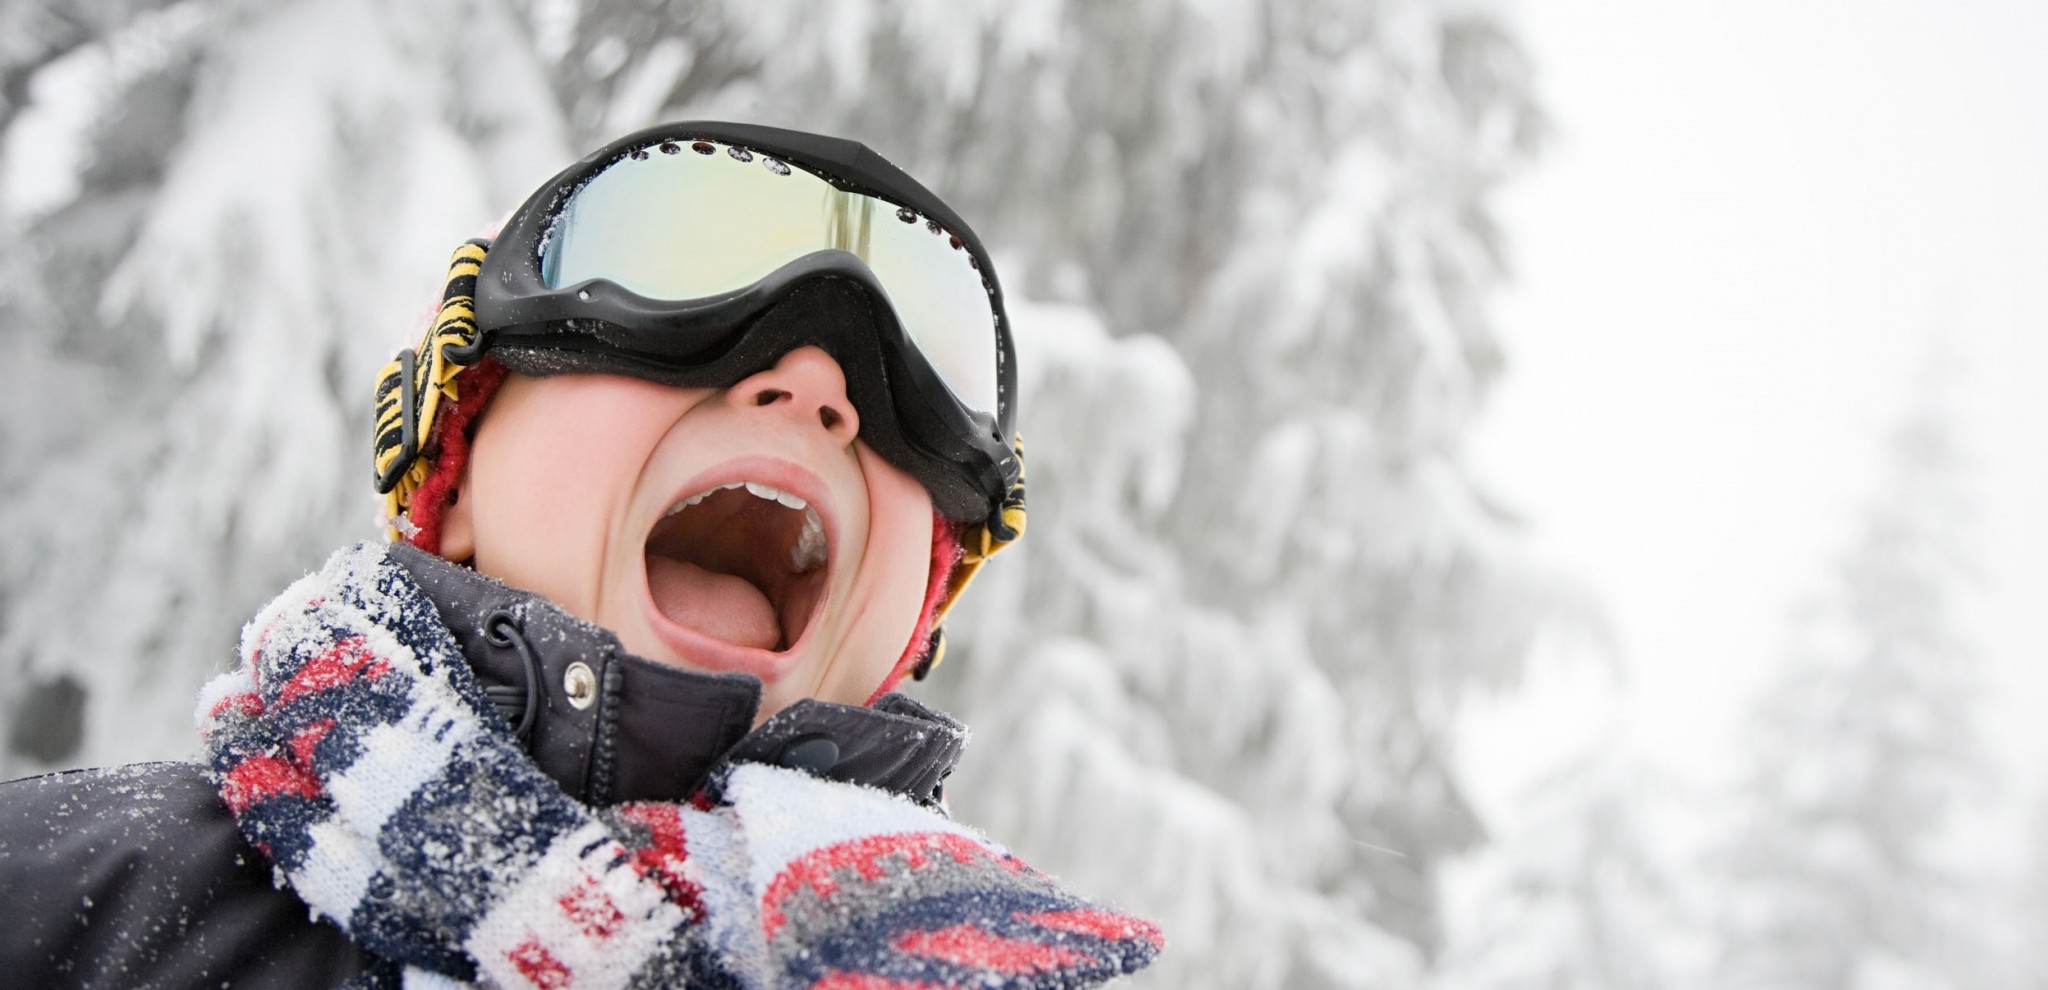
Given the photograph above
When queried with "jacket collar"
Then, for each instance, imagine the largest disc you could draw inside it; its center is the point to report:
(611, 727)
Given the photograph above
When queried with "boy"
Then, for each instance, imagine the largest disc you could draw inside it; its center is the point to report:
(691, 464)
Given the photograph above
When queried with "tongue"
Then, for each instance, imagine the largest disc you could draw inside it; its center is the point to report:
(721, 606)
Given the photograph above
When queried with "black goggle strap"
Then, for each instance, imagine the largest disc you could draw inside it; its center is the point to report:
(412, 388)
(982, 542)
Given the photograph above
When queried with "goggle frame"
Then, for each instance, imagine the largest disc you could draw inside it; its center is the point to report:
(965, 457)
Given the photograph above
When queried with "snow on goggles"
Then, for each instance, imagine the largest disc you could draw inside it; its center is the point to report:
(696, 254)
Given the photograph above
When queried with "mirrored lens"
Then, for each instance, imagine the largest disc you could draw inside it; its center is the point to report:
(686, 220)
(940, 298)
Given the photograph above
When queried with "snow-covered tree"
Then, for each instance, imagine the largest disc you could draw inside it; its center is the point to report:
(1840, 870)
(1577, 894)
(2029, 915)
(233, 209)
(1250, 250)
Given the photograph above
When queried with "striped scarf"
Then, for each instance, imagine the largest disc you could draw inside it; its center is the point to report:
(357, 751)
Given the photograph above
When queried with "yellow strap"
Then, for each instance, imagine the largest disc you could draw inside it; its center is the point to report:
(981, 543)
(433, 382)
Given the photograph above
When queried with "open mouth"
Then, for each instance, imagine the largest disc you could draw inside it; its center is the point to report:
(743, 563)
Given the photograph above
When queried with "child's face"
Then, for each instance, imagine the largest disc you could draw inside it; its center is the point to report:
(569, 493)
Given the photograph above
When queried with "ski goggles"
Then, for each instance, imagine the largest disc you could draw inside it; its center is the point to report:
(696, 254)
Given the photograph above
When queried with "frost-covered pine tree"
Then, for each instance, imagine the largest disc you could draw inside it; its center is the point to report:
(2029, 916)
(1577, 894)
(1841, 870)
(230, 213)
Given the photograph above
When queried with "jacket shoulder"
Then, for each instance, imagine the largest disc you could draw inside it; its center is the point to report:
(136, 876)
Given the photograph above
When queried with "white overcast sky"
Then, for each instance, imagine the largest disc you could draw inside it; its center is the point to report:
(1751, 219)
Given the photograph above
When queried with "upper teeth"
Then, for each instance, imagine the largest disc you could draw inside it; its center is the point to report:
(809, 550)
(774, 494)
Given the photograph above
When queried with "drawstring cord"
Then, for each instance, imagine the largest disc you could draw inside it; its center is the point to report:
(518, 704)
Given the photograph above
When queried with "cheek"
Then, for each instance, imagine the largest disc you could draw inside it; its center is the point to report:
(900, 533)
(553, 466)
(529, 519)
(895, 568)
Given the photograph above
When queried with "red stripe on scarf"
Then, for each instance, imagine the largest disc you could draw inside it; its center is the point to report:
(592, 910)
(1102, 924)
(307, 740)
(665, 856)
(864, 857)
(966, 945)
(1098, 923)
(539, 966)
(842, 980)
(243, 702)
(343, 662)
(260, 778)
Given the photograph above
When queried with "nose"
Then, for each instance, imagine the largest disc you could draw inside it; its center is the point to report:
(807, 383)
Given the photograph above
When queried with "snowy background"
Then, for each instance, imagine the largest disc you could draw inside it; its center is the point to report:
(1523, 495)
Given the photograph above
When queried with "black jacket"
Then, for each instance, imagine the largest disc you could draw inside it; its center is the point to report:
(137, 876)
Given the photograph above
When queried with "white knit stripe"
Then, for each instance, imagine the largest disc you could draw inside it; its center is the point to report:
(540, 907)
(787, 814)
(397, 759)
(416, 978)
(716, 861)
(336, 870)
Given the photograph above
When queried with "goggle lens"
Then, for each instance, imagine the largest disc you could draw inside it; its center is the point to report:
(689, 220)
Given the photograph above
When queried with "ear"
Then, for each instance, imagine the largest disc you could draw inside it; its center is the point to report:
(458, 524)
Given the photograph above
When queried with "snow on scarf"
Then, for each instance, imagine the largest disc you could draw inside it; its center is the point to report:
(355, 748)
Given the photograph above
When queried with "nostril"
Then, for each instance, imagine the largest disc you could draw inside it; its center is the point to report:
(828, 416)
(769, 396)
